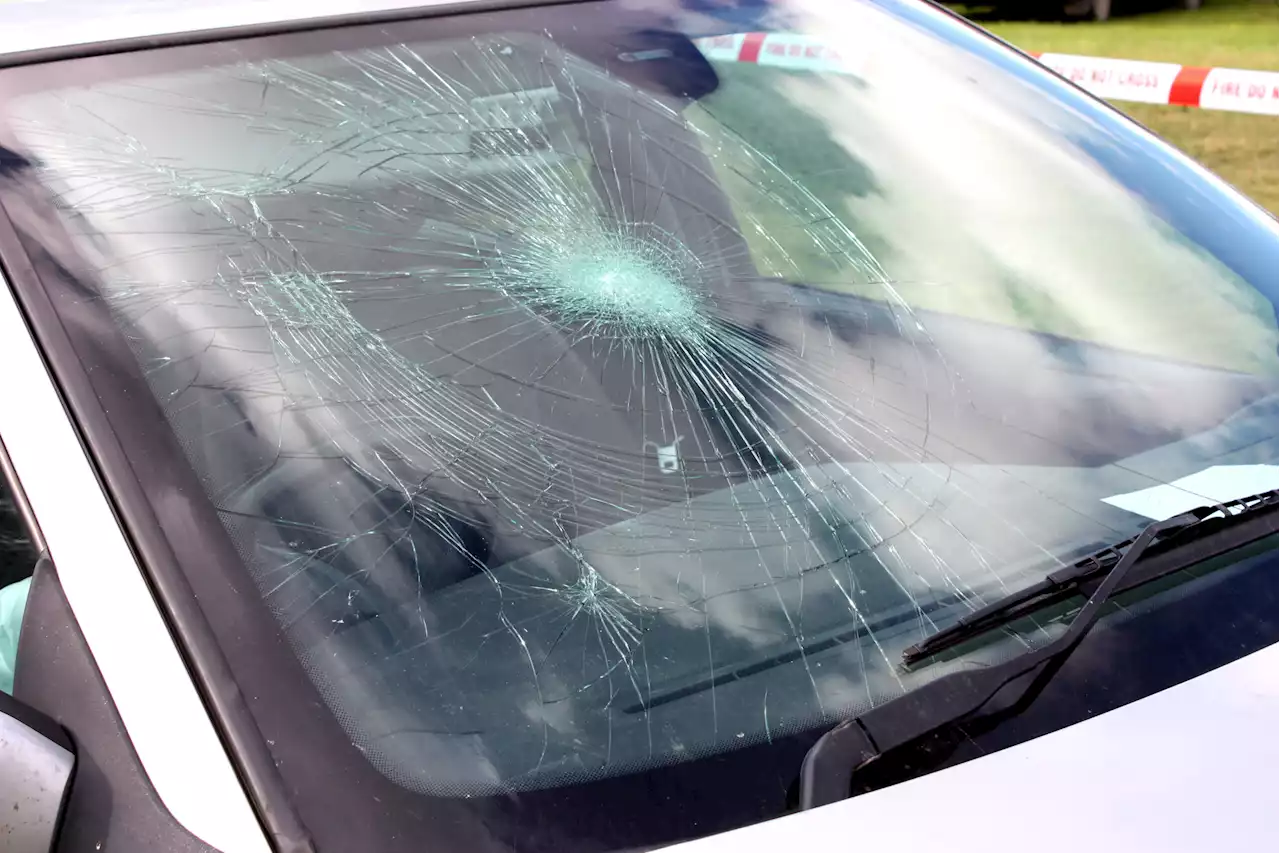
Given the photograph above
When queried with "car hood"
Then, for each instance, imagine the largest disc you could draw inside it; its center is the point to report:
(1146, 776)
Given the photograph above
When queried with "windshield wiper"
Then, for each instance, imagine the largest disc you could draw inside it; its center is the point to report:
(956, 699)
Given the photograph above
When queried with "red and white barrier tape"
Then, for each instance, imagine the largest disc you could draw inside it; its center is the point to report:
(1229, 89)
(1164, 83)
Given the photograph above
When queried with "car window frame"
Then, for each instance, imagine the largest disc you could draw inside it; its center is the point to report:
(101, 575)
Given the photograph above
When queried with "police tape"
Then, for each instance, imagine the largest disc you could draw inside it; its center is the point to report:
(1231, 89)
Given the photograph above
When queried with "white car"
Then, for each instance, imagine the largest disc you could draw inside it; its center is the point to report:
(603, 426)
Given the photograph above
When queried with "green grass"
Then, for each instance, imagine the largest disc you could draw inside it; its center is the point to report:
(1232, 33)
(1239, 147)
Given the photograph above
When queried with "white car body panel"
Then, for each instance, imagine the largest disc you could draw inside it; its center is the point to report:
(1192, 768)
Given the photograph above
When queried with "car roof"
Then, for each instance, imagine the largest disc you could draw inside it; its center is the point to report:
(33, 26)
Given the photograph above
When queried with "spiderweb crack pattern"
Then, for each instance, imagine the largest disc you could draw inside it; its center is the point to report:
(473, 358)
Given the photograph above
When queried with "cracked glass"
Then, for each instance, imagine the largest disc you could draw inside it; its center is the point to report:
(585, 405)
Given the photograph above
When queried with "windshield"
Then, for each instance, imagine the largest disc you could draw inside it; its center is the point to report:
(597, 390)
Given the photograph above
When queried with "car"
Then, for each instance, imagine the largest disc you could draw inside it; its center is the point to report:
(611, 426)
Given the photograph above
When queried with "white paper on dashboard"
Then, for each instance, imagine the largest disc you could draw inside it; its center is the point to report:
(1216, 484)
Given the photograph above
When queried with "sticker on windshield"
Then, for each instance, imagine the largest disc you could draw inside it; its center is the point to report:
(668, 455)
(1219, 483)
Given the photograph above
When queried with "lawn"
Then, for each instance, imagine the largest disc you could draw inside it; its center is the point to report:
(1233, 33)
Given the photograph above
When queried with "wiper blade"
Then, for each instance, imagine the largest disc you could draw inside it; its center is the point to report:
(1083, 576)
(957, 698)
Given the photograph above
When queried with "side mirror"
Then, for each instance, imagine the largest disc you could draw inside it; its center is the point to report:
(37, 760)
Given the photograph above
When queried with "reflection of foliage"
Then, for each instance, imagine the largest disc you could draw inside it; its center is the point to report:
(1194, 310)
(752, 104)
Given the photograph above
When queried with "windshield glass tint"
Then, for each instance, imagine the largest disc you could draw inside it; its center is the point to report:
(596, 390)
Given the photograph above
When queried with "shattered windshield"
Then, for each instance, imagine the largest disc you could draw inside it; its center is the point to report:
(585, 395)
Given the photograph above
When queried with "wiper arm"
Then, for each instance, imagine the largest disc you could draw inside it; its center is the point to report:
(1084, 575)
(827, 773)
